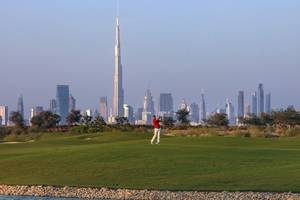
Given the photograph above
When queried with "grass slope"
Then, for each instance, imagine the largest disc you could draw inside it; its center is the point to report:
(127, 160)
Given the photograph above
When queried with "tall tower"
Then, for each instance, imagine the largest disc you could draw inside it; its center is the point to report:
(202, 108)
(20, 106)
(241, 104)
(72, 103)
(254, 103)
(118, 100)
(260, 100)
(62, 100)
(230, 112)
(268, 104)
(148, 107)
(195, 113)
(166, 104)
(103, 108)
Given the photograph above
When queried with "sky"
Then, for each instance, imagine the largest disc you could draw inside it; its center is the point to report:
(176, 46)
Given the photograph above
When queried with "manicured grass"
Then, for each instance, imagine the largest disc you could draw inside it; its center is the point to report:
(127, 160)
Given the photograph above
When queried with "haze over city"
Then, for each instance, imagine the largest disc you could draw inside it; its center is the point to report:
(179, 47)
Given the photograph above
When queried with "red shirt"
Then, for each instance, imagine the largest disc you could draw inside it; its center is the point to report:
(155, 123)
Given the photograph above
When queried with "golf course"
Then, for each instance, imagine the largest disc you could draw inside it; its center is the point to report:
(128, 160)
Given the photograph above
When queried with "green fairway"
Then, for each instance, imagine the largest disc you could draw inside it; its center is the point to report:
(127, 160)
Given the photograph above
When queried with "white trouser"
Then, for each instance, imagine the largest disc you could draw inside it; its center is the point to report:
(156, 135)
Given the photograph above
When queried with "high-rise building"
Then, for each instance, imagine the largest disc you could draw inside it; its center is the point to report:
(118, 99)
(230, 112)
(128, 112)
(36, 111)
(166, 105)
(20, 106)
(72, 103)
(3, 115)
(103, 108)
(53, 106)
(139, 114)
(254, 103)
(248, 111)
(96, 114)
(202, 108)
(194, 113)
(260, 100)
(268, 104)
(241, 104)
(148, 107)
(62, 100)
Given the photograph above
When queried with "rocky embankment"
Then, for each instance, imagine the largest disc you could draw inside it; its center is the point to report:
(104, 193)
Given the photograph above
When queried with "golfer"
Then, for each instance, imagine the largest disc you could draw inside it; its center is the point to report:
(157, 130)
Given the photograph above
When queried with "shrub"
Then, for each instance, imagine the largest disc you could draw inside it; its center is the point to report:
(142, 130)
(257, 132)
(21, 137)
(195, 132)
(79, 129)
(36, 130)
(240, 133)
(94, 130)
(17, 131)
(291, 132)
(4, 131)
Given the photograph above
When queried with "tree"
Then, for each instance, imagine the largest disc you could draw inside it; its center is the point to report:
(252, 120)
(121, 120)
(50, 120)
(99, 121)
(266, 118)
(168, 121)
(17, 119)
(45, 119)
(289, 117)
(182, 116)
(218, 119)
(86, 120)
(37, 121)
(74, 117)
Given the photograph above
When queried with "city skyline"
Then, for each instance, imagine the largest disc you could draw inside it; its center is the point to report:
(148, 64)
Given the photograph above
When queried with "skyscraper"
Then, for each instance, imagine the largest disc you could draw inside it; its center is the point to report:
(260, 100)
(103, 108)
(118, 99)
(53, 106)
(268, 104)
(148, 107)
(166, 105)
(20, 106)
(202, 108)
(230, 112)
(72, 103)
(128, 112)
(62, 100)
(35, 111)
(3, 115)
(96, 114)
(139, 114)
(254, 103)
(247, 110)
(241, 104)
(194, 112)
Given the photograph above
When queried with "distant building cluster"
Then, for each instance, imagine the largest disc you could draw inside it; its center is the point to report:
(65, 102)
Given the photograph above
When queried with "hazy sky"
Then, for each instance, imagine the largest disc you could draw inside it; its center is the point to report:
(170, 46)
